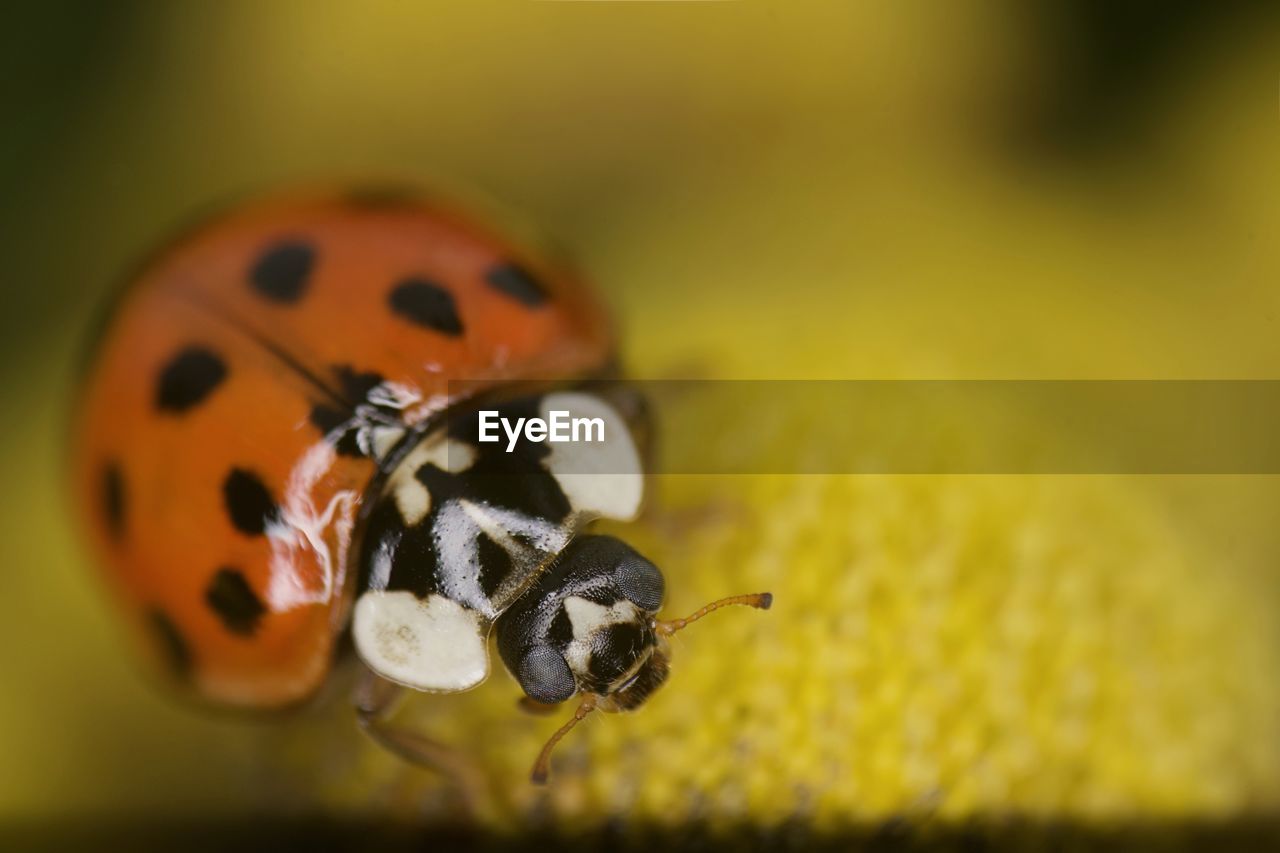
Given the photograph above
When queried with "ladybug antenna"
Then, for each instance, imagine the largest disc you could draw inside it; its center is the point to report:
(541, 766)
(761, 600)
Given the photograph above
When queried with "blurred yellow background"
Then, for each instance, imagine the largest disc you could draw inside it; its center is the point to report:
(763, 190)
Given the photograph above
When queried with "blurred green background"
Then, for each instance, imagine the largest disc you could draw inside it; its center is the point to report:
(764, 190)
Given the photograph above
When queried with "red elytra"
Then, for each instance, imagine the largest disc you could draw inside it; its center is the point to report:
(219, 489)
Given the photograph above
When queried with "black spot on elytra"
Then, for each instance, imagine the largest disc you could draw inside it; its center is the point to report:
(495, 564)
(327, 419)
(281, 273)
(113, 499)
(234, 601)
(356, 384)
(248, 501)
(173, 646)
(426, 304)
(188, 378)
(518, 283)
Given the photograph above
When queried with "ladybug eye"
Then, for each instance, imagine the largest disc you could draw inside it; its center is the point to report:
(545, 676)
(641, 582)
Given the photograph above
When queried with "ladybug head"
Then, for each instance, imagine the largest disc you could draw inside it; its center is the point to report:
(589, 626)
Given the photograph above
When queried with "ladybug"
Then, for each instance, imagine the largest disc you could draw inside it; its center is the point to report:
(277, 456)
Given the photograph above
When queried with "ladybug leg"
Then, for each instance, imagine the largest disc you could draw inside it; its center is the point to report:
(375, 702)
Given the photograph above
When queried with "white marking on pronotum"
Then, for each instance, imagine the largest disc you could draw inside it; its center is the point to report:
(458, 565)
(383, 438)
(503, 524)
(455, 534)
(605, 478)
(436, 644)
(411, 496)
(456, 530)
